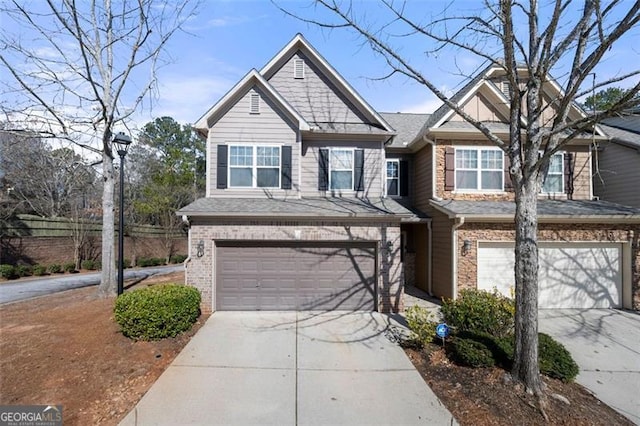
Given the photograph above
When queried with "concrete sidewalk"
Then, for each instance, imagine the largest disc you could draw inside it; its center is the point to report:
(292, 369)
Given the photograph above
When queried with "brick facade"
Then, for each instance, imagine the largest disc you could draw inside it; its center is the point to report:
(467, 264)
(201, 273)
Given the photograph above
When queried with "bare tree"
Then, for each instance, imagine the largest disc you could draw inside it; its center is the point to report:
(79, 69)
(508, 35)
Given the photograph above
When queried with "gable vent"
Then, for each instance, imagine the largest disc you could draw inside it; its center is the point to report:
(254, 103)
(504, 86)
(298, 68)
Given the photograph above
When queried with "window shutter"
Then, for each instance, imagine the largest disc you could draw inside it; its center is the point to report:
(222, 167)
(404, 178)
(508, 185)
(285, 168)
(568, 174)
(449, 168)
(358, 165)
(323, 169)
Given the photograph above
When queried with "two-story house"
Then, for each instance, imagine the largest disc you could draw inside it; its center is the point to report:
(294, 215)
(316, 201)
(589, 250)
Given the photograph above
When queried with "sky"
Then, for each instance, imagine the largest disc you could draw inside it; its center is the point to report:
(227, 38)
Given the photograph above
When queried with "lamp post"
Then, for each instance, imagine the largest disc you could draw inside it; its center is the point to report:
(121, 142)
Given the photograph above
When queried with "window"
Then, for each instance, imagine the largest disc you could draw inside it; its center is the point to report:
(341, 169)
(393, 177)
(554, 181)
(254, 167)
(479, 169)
(254, 103)
(298, 68)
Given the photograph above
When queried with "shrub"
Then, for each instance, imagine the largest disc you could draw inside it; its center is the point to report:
(478, 311)
(89, 264)
(24, 270)
(470, 352)
(178, 258)
(157, 312)
(144, 262)
(555, 360)
(8, 272)
(55, 268)
(39, 270)
(421, 323)
(69, 267)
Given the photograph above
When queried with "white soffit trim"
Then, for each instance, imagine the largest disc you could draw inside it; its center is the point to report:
(251, 78)
(300, 43)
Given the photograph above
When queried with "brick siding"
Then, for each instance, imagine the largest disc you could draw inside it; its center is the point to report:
(200, 271)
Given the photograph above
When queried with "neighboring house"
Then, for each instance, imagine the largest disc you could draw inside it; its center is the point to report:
(589, 250)
(295, 215)
(316, 201)
(617, 163)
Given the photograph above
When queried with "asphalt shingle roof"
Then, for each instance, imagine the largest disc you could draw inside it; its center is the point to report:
(546, 208)
(624, 130)
(308, 207)
(406, 125)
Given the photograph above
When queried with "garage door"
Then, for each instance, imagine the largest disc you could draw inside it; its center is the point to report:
(571, 275)
(333, 276)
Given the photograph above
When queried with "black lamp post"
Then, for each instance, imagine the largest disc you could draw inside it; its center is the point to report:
(121, 143)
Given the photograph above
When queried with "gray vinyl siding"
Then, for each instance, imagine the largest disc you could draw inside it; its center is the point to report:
(422, 177)
(237, 125)
(620, 173)
(373, 156)
(442, 256)
(314, 96)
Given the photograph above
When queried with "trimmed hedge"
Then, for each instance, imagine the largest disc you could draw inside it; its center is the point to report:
(8, 272)
(484, 350)
(39, 270)
(157, 312)
(477, 311)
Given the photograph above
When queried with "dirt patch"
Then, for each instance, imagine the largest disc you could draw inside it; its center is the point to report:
(485, 396)
(66, 349)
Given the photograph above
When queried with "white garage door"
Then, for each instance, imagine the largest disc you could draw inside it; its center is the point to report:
(571, 275)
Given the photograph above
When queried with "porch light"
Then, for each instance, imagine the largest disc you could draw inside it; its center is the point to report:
(466, 247)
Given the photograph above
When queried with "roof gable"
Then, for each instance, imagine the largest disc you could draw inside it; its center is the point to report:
(300, 46)
(251, 79)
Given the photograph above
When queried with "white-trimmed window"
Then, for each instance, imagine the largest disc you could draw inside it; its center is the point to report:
(341, 169)
(393, 177)
(479, 169)
(254, 103)
(298, 68)
(254, 166)
(554, 181)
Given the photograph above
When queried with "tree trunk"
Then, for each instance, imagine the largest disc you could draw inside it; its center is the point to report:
(525, 366)
(108, 278)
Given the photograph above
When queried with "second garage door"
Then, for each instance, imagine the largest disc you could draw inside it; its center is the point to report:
(571, 275)
(295, 276)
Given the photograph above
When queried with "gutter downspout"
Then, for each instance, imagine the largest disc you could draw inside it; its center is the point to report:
(459, 221)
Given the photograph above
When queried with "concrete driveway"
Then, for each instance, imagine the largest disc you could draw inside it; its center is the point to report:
(606, 345)
(291, 369)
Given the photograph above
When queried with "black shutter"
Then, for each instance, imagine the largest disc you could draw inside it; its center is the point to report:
(404, 178)
(285, 168)
(323, 169)
(568, 174)
(222, 166)
(449, 168)
(358, 164)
